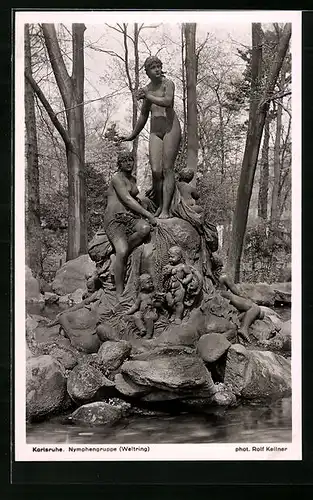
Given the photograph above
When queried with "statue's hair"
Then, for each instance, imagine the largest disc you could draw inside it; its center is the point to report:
(151, 60)
(177, 249)
(144, 276)
(140, 279)
(124, 155)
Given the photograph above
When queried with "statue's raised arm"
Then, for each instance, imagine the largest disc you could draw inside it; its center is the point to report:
(165, 132)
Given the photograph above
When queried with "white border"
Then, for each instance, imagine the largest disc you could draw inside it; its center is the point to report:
(23, 451)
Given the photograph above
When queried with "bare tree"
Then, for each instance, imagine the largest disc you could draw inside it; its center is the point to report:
(260, 97)
(33, 228)
(264, 173)
(277, 156)
(191, 81)
(183, 79)
(71, 88)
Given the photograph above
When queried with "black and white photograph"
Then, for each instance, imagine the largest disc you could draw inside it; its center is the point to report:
(157, 258)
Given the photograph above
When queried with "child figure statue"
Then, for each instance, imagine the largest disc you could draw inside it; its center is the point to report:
(180, 276)
(145, 309)
(248, 309)
(189, 193)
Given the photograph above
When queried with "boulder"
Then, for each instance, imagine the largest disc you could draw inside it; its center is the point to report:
(179, 372)
(112, 354)
(146, 351)
(261, 293)
(185, 334)
(97, 413)
(263, 329)
(222, 397)
(72, 275)
(158, 396)
(129, 388)
(282, 292)
(281, 341)
(212, 346)
(45, 386)
(32, 287)
(273, 315)
(278, 343)
(217, 324)
(85, 380)
(66, 355)
(257, 374)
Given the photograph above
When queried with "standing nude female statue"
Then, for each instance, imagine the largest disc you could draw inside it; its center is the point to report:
(165, 132)
(124, 217)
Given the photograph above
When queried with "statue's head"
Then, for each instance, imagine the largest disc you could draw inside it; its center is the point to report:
(175, 255)
(186, 174)
(146, 282)
(153, 66)
(125, 161)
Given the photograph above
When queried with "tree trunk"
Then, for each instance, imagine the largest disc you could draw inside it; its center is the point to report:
(72, 92)
(221, 123)
(183, 62)
(77, 241)
(135, 91)
(191, 80)
(277, 163)
(257, 114)
(264, 173)
(33, 227)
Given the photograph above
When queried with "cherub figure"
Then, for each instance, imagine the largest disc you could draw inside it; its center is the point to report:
(189, 193)
(180, 276)
(249, 310)
(145, 309)
(193, 288)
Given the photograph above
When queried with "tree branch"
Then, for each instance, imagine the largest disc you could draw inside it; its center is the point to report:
(277, 96)
(84, 103)
(48, 108)
(126, 58)
(121, 30)
(110, 52)
(57, 62)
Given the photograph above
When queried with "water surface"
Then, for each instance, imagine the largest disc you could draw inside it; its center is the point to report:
(250, 423)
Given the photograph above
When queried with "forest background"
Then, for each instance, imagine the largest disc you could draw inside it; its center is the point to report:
(233, 99)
